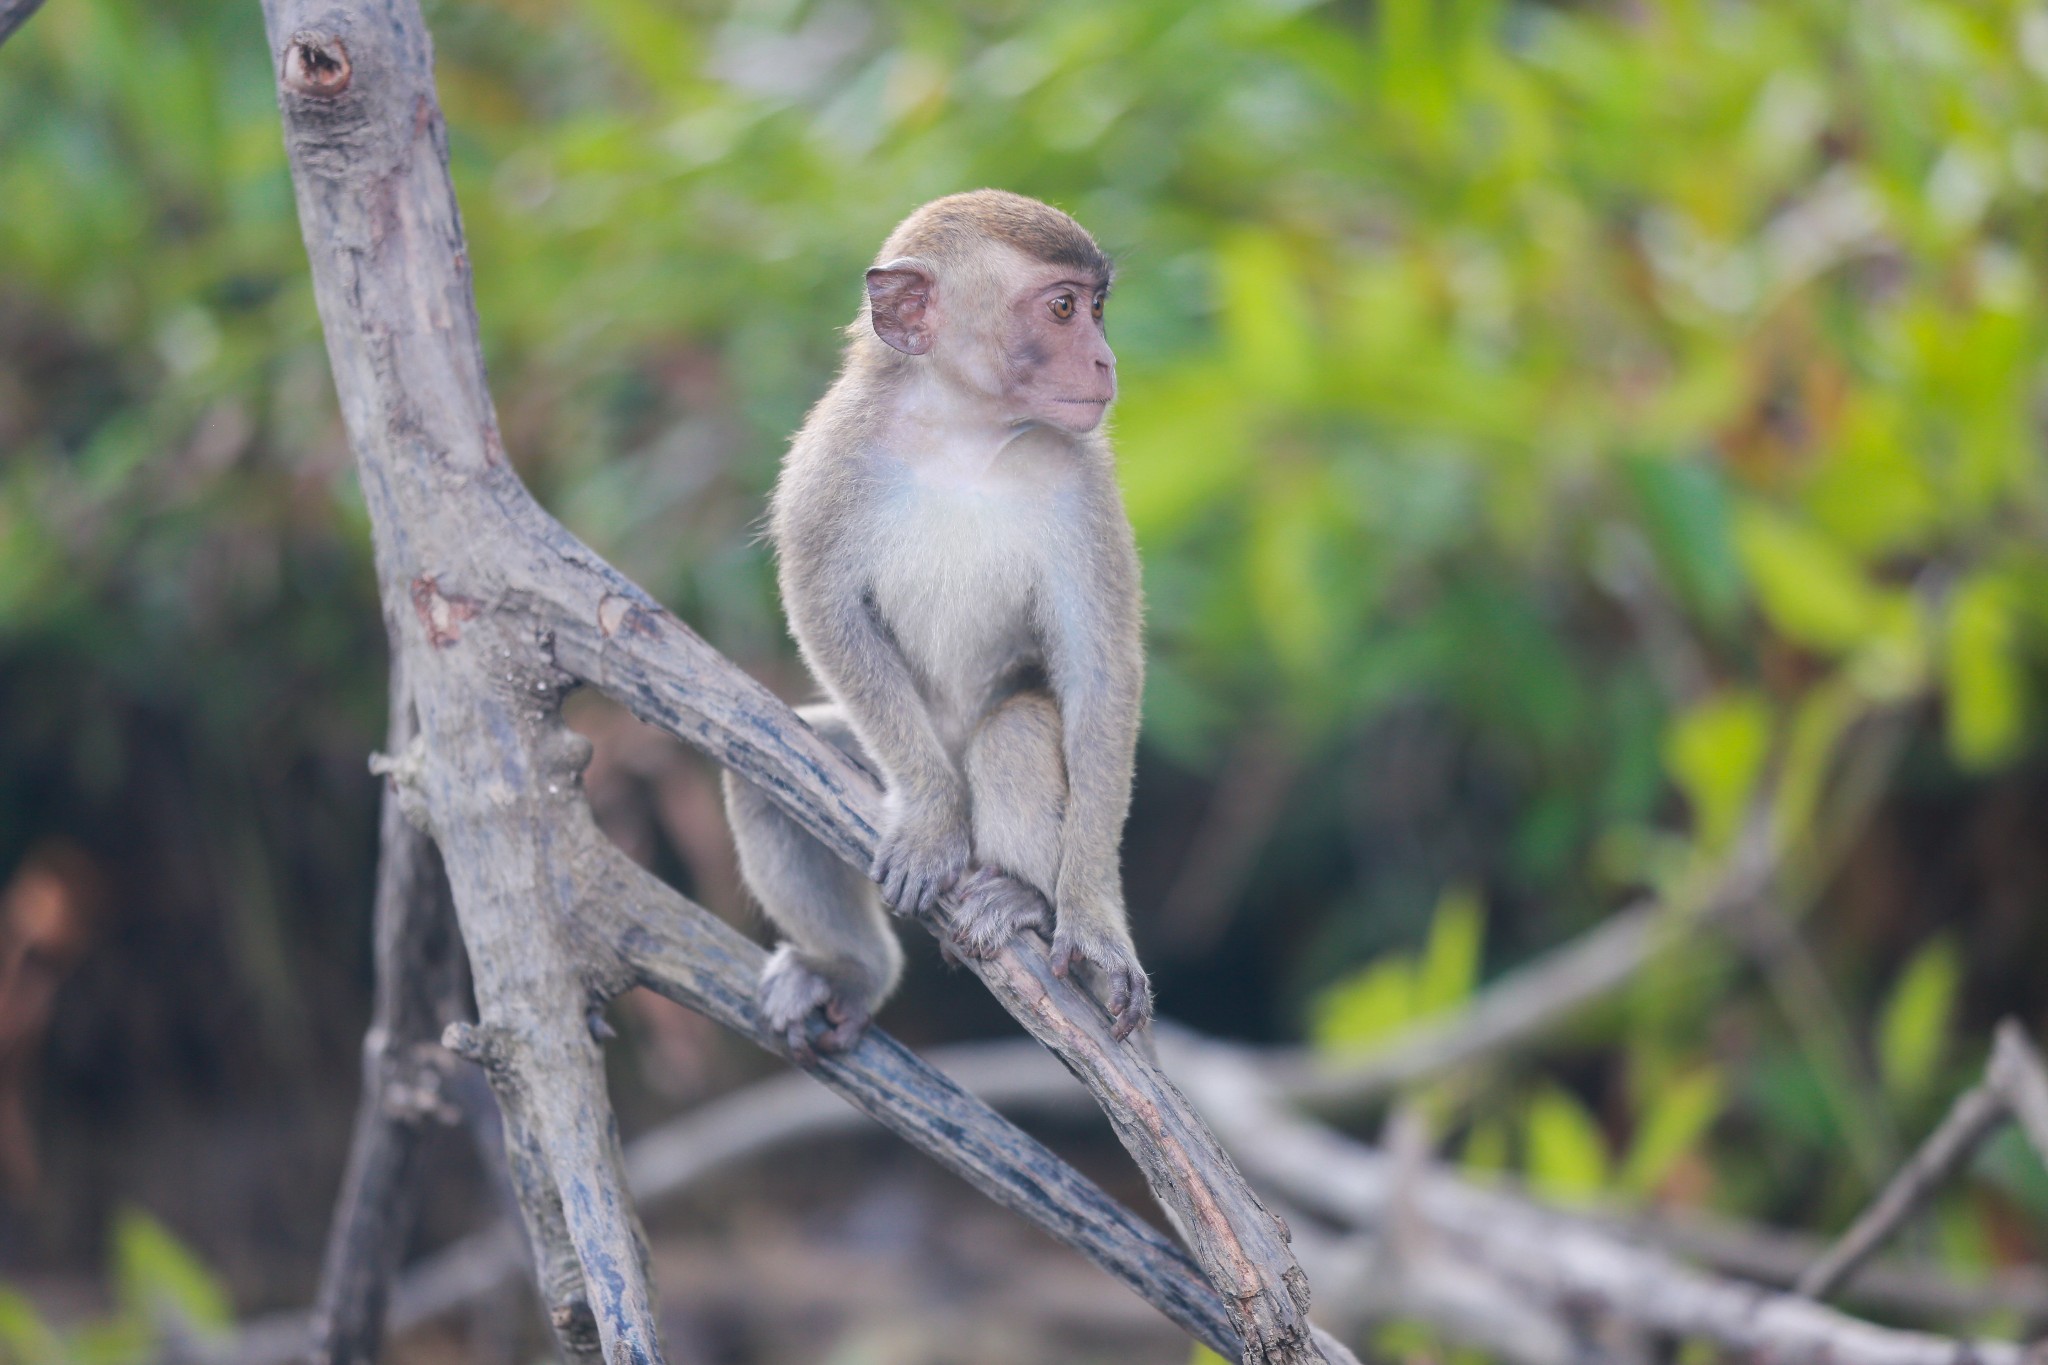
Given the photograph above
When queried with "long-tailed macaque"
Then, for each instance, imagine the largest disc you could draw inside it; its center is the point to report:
(961, 579)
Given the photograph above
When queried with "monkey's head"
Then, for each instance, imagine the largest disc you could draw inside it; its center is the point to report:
(1001, 297)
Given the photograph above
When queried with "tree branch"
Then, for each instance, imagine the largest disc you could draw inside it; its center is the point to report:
(1449, 1272)
(2017, 1071)
(498, 611)
(1974, 1116)
(15, 13)
(1569, 1264)
(422, 987)
(2015, 1086)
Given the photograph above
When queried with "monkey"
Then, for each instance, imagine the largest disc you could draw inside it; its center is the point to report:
(962, 582)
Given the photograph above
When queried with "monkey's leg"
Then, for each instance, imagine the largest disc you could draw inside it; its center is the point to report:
(1017, 783)
(839, 957)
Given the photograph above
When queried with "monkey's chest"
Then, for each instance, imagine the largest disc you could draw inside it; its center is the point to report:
(953, 581)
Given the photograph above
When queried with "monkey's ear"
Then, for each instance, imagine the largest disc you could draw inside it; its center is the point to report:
(900, 304)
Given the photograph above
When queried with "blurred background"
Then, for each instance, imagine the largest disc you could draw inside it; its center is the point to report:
(1561, 436)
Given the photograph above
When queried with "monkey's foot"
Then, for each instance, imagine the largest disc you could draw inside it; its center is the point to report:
(915, 863)
(1111, 972)
(994, 908)
(791, 995)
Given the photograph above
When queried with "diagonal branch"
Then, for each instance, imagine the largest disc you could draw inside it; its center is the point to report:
(2015, 1087)
(1554, 1259)
(2016, 1069)
(1467, 1268)
(498, 611)
(15, 13)
(1973, 1117)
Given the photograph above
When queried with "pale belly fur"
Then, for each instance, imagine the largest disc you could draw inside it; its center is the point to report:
(954, 573)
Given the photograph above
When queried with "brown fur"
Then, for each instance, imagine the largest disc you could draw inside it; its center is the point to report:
(946, 229)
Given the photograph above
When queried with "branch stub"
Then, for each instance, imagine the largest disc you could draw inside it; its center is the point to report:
(315, 65)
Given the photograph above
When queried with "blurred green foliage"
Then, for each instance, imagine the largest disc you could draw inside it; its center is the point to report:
(1560, 424)
(160, 1292)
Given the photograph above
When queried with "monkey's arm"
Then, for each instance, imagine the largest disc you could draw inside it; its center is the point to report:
(1095, 661)
(924, 844)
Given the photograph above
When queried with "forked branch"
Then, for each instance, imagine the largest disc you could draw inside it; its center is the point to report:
(498, 611)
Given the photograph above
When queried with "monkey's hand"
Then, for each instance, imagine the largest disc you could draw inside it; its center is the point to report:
(791, 994)
(994, 908)
(1110, 967)
(922, 853)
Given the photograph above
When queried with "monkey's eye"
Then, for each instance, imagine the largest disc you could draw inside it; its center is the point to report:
(1062, 307)
(1095, 311)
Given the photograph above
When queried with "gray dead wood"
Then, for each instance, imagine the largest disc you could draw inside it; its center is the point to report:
(2016, 1069)
(1552, 1261)
(498, 611)
(2015, 1087)
(15, 13)
(1973, 1117)
(422, 987)
(1424, 1256)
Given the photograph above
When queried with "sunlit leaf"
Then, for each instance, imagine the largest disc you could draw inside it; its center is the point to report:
(1913, 1025)
(1450, 960)
(1715, 753)
(1810, 589)
(158, 1277)
(1365, 1007)
(1677, 1117)
(1986, 685)
(25, 1338)
(1565, 1151)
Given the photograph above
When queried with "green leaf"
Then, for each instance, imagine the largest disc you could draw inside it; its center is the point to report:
(1567, 1155)
(1913, 1026)
(1813, 593)
(1450, 960)
(1204, 1356)
(155, 1275)
(1685, 511)
(1987, 687)
(1361, 1009)
(25, 1339)
(1678, 1118)
(1716, 753)
(1486, 1148)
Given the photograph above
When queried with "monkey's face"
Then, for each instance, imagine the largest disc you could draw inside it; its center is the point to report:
(1023, 336)
(1058, 368)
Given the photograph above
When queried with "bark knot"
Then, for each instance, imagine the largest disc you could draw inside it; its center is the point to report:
(487, 1045)
(316, 65)
(616, 613)
(441, 613)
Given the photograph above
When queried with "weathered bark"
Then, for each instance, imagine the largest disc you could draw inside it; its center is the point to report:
(422, 987)
(1549, 1260)
(1414, 1240)
(498, 611)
